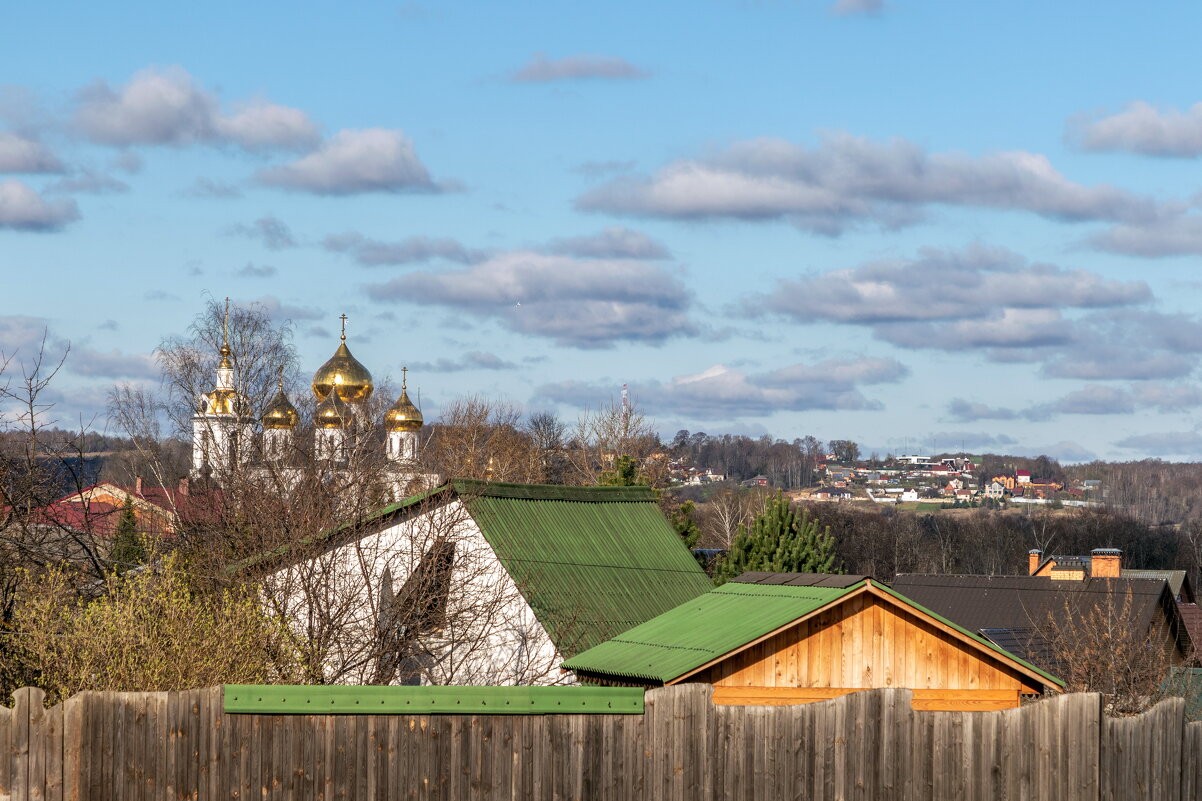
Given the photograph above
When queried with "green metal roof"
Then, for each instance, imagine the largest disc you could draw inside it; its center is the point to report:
(727, 618)
(591, 561)
(336, 700)
(703, 629)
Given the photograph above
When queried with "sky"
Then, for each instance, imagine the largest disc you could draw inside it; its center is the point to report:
(922, 226)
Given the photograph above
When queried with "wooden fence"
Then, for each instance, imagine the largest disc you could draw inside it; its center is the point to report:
(867, 745)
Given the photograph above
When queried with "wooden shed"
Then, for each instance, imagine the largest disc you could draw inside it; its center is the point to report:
(790, 638)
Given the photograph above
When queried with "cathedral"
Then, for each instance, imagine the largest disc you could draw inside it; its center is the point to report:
(226, 436)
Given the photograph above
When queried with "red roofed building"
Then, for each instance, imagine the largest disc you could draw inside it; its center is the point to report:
(96, 510)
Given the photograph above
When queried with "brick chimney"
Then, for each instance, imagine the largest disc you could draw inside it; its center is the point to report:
(182, 488)
(1106, 562)
(1034, 557)
(137, 485)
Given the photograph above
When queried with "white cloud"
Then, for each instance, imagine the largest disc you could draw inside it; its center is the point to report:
(573, 68)
(414, 249)
(1093, 399)
(965, 411)
(24, 209)
(1168, 397)
(724, 393)
(21, 155)
(210, 189)
(472, 360)
(848, 180)
(1142, 128)
(262, 125)
(165, 106)
(111, 364)
(86, 181)
(585, 303)
(251, 270)
(1172, 235)
(614, 242)
(979, 297)
(273, 232)
(355, 162)
(1186, 444)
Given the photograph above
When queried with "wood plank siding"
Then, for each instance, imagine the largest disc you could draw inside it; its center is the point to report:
(868, 641)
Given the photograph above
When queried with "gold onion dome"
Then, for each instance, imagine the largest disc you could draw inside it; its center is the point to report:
(344, 373)
(330, 413)
(280, 413)
(403, 416)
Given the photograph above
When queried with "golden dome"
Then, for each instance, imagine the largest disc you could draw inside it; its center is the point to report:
(403, 416)
(345, 373)
(331, 412)
(223, 402)
(280, 413)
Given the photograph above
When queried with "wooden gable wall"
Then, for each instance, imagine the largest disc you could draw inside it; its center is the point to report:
(866, 642)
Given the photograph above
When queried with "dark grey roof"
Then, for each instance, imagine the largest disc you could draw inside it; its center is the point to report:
(800, 579)
(1017, 604)
(1026, 643)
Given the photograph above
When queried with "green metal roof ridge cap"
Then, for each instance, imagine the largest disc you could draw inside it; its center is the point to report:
(384, 511)
(780, 590)
(982, 640)
(283, 699)
(469, 488)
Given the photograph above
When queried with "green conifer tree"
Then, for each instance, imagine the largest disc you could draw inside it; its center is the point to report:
(780, 541)
(684, 524)
(129, 548)
(625, 474)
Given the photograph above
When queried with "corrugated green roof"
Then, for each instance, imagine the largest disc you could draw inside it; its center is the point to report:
(724, 619)
(703, 629)
(591, 561)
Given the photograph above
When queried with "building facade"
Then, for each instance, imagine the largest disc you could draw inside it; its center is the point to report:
(228, 437)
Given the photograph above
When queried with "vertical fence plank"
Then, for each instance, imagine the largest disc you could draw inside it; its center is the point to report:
(1142, 755)
(73, 744)
(38, 747)
(1191, 762)
(7, 723)
(24, 700)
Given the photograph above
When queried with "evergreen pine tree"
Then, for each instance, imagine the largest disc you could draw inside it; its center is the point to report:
(625, 474)
(129, 549)
(684, 525)
(780, 541)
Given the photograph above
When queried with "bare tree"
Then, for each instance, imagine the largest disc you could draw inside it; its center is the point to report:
(547, 436)
(725, 511)
(481, 438)
(1105, 645)
(602, 437)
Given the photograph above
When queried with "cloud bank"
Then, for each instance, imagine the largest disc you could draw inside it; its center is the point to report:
(583, 303)
(849, 180)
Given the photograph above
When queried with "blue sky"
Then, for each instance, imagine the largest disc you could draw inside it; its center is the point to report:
(915, 225)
